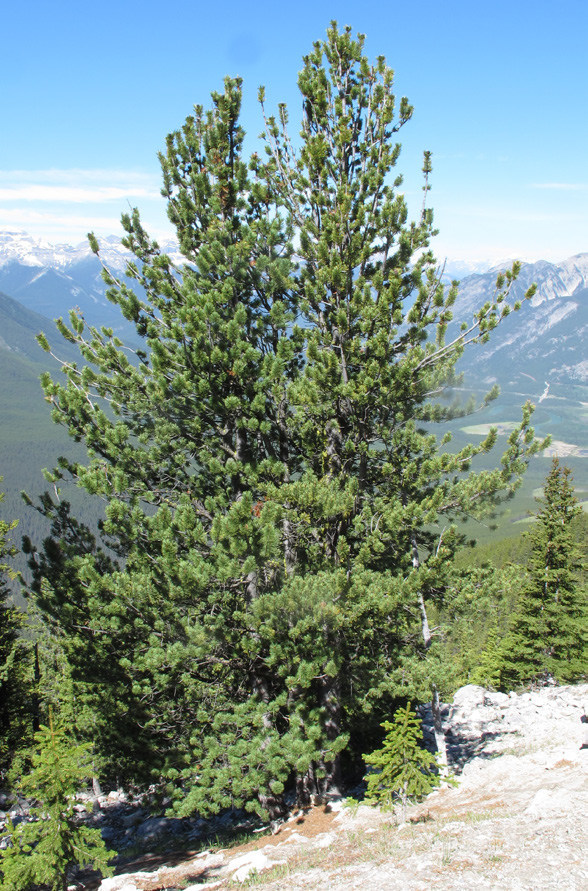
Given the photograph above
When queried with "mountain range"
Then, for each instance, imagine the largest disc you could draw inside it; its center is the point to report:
(52, 279)
(537, 354)
(546, 340)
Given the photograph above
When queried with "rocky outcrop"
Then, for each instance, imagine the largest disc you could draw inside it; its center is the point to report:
(517, 818)
(521, 763)
(482, 724)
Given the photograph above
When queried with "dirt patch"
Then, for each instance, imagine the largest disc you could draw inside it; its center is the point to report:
(458, 809)
(308, 823)
(175, 870)
(560, 449)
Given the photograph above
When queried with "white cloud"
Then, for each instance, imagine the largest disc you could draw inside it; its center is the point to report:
(59, 226)
(65, 204)
(77, 176)
(77, 186)
(561, 187)
(24, 217)
(70, 194)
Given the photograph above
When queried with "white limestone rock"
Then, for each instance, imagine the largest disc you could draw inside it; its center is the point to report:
(469, 697)
(547, 802)
(252, 862)
(125, 882)
(324, 840)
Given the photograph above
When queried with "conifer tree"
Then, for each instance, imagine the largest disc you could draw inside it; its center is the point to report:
(549, 633)
(270, 487)
(42, 853)
(474, 618)
(15, 680)
(84, 634)
(404, 770)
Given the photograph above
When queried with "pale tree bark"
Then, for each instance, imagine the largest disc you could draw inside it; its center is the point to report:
(435, 702)
(439, 733)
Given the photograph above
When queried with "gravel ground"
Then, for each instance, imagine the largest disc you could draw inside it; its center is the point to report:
(517, 819)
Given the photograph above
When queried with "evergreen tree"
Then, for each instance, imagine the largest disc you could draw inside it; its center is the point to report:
(15, 661)
(404, 770)
(270, 487)
(42, 853)
(81, 644)
(549, 633)
(474, 621)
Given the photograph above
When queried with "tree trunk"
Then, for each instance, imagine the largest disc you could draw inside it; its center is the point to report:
(330, 697)
(273, 804)
(425, 629)
(306, 788)
(435, 702)
(439, 734)
(36, 700)
(322, 780)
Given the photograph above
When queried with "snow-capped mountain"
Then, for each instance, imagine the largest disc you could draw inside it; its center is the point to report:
(546, 340)
(52, 278)
(17, 246)
(553, 280)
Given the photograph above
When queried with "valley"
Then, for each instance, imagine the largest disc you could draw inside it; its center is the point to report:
(537, 355)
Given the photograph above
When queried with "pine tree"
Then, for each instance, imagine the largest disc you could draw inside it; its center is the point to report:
(270, 486)
(403, 769)
(15, 661)
(43, 852)
(475, 617)
(549, 636)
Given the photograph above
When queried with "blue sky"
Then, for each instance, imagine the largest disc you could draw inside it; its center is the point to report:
(500, 90)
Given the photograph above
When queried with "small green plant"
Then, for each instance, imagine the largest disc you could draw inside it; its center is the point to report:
(42, 854)
(447, 853)
(352, 804)
(403, 770)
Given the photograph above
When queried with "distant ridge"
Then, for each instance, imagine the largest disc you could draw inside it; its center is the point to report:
(52, 279)
(537, 354)
(546, 340)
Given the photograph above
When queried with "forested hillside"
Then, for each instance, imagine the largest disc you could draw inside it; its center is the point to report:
(29, 440)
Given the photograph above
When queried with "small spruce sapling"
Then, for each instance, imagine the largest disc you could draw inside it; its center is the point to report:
(403, 770)
(43, 853)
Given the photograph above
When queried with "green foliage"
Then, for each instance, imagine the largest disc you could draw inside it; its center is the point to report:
(474, 618)
(487, 601)
(270, 486)
(6, 548)
(548, 634)
(81, 675)
(15, 680)
(403, 770)
(42, 853)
